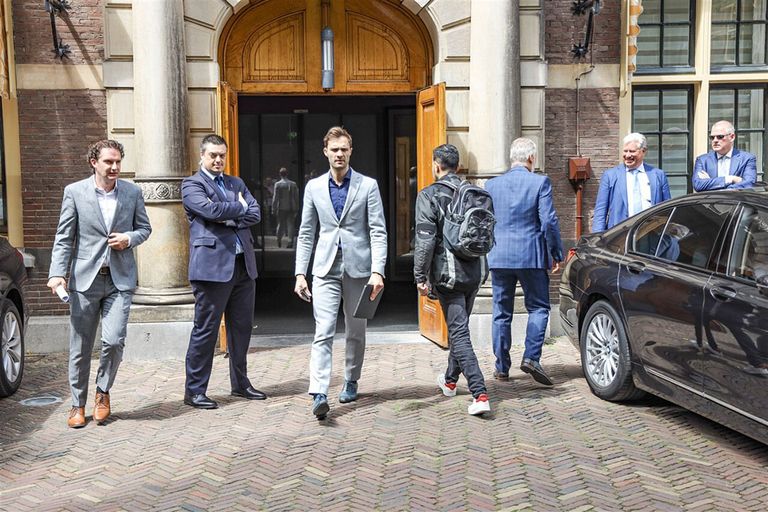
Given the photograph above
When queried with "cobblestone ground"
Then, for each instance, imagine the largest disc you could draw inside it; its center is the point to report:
(402, 446)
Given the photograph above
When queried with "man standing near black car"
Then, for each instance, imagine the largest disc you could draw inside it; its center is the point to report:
(454, 281)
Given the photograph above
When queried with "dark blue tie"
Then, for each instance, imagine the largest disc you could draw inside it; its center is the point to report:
(220, 182)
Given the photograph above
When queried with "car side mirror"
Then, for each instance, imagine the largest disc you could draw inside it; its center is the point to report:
(762, 285)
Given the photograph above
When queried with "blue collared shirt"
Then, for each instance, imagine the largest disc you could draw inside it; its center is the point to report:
(339, 192)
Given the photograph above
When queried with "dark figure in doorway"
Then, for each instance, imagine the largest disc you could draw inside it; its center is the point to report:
(285, 204)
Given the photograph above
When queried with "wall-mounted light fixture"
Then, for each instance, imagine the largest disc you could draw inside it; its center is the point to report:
(54, 7)
(326, 38)
(578, 8)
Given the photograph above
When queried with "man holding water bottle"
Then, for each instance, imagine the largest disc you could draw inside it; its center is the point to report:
(102, 219)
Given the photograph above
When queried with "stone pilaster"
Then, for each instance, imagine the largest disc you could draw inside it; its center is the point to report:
(494, 85)
(160, 111)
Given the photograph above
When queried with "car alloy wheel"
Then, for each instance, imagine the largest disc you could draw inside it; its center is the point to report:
(605, 354)
(602, 349)
(11, 349)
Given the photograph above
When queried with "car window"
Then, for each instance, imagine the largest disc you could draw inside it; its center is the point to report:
(691, 233)
(648, 233)
(748, 257)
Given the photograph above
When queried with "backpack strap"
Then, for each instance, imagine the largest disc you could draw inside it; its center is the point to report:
(448, 184)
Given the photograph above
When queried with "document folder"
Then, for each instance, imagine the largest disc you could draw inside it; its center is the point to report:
(366, 307)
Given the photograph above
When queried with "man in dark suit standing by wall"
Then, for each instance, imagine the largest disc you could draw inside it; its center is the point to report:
(102, 219)
(724, 166)
(527, 245)
(222, 269)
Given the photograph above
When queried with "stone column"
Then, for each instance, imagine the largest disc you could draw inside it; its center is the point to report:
(494, 112)
(494, 85)
(160, 114)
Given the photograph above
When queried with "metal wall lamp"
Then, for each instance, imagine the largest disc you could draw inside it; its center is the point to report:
(326, 37)
(54, 7)
(578, 8)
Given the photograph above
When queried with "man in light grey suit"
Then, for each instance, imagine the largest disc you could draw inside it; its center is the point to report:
(102, 219)
(351, 252)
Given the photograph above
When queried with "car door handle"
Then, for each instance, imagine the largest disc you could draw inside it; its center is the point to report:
(722, 294)
(635, 267)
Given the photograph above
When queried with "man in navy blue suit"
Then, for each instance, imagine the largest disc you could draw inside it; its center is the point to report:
(222, 269)
(527, 245)
(724, 166)
(629, 188)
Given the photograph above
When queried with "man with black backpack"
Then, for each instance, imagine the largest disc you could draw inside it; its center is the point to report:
(454, 231)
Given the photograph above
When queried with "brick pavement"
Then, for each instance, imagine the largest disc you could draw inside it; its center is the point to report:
(402, 446)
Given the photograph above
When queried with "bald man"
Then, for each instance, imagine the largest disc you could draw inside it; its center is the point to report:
(724, 166)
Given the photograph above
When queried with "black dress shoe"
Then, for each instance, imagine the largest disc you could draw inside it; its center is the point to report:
(250, 393)
(200, 401)
(536, 371)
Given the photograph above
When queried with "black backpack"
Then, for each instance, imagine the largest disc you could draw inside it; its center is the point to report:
(468, 221)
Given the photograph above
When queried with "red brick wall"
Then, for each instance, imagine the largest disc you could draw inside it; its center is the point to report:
(55, 130)
(81, 28)
(562, 29)
(598, 128)
(599, 108)
(598, 116)
(55, 127)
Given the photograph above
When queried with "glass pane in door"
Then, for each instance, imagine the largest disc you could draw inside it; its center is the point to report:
(279, 164)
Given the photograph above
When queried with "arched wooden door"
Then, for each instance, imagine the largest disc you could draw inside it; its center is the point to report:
(271, 50)
(274, 47)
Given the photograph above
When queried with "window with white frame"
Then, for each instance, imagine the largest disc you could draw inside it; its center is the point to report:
(699, 62)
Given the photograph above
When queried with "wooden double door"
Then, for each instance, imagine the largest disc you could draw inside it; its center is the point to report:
(273, 109)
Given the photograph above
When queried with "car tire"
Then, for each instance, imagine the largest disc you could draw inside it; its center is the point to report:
(605, 356)
(11, 349)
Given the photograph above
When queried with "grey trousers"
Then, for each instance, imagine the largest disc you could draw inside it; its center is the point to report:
(327, 294)
(102, 300)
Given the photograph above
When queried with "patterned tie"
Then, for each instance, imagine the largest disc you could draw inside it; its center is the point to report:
(637, 196)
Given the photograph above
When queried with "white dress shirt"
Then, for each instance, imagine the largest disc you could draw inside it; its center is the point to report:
(645, 189)
(107, 205)
(724, 164)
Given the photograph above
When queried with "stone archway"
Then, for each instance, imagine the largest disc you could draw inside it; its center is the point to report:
(274, 47)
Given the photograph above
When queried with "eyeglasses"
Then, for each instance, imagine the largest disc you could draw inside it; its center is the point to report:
(718, 137)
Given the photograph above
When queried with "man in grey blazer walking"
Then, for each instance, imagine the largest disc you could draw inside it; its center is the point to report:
(351, 252)
(102, 219)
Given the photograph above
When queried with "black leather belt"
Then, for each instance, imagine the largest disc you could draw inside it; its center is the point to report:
(104, 271)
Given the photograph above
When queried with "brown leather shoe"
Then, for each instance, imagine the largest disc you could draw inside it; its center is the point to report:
(76, 417)
(101, 410)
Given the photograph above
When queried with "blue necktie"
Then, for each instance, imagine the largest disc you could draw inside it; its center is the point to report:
(637, 196)
(219, 180)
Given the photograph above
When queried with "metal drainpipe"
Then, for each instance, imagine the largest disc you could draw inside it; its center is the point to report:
(580, 189)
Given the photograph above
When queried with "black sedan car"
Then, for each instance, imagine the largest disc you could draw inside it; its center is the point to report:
(674, 302)
(13, 317)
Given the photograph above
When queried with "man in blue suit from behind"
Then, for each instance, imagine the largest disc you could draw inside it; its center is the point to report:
(222, 269)
(724, 166)
(629, 188)
(527, 245)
